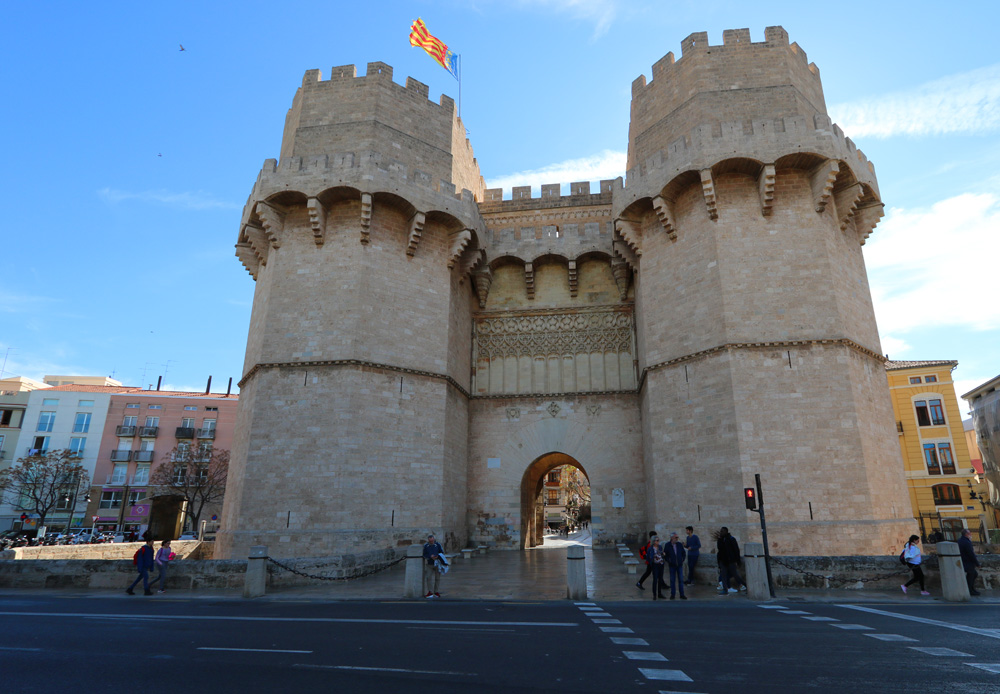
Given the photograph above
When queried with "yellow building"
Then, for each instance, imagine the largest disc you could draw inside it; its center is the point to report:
(936, 457)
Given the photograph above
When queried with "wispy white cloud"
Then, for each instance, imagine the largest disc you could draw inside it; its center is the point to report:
(13, 302)
(185, 200)
(601, 166)
(601, 13)
(968, 102)
(931, 267)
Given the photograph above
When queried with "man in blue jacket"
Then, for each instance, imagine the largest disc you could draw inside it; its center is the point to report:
(969, 561)
(143, 563)
(693, 546)
(433, 551)
(674, 555)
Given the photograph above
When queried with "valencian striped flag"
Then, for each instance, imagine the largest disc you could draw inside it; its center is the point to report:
(435, 47)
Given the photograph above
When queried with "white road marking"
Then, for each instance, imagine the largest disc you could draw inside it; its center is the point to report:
(386, 669)
(856, 627)
(772, 607)
(992, 633)
(793, 612)
(932, 650)
(616, 630)
(249, 650)
(643, 655)
(327, 620)
(627, 641)
(585, 603)
(15, 648)
(815, 618)
(597, 614)
(481, 631)
(607, 621)
(673, 675)
(989, 667)
(889, 637)
(591, 608)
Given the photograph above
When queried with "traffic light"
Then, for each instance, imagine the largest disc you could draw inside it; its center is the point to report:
(24, 517)
(750, 496)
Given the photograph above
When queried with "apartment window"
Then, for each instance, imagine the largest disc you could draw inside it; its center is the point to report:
(946, 494)
(929, 413)
(553, 478)
(156, 407)
(81, 425)
(132, 406)
(147, 445)
(180, 475)
(183, 451)
(187, 423)
(190, 407)
(129, 420)
(111, 499)
(118, 474)
(914, 380)
(211, 409)
(76, 445)
(41, 445)
(939, 459)
(152, 422)
(141, 475)
(50, 401)
(553, 495)
(85, 403)
(5, 417)
(209, 425)
(930, 379)
(136, 496)
(46, 420)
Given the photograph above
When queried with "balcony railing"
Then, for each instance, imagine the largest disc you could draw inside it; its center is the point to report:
(143, 456)
(206, 433)
(138, 480)
(36, 451)
(123, 430)
(3, 454)
(184, 432)
(120, 456)
(149, 432)
(115, 479)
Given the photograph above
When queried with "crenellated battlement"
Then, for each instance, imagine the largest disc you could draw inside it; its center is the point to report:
(376, 73)
(521, 197)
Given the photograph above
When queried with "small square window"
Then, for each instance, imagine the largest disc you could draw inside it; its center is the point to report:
(156, 407)
(50, 401)
(930, 379)
(914, 379)
(86, 403)
(190, 407)
(212, 409)
(132, 406)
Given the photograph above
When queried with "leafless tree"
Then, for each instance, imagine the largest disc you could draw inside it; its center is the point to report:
(37, 483)
(198, 475)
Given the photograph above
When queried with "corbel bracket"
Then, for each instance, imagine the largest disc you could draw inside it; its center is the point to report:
(483, 279)
(272, 220)
(765, 186)
(416, 229)
(317, 219)
(529, 279)
(708, 190)
(822, 179)
(846, 199)
(572, 278)
(631, 233)
(458, 243)
(665, 213)
(366, 218)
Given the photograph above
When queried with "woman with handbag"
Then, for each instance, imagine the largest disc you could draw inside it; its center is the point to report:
(656, 562)
(164, 555)
(911, 555)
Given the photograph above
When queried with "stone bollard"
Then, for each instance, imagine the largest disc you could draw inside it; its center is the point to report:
(953, 585)
(756, 571)
(255, 581)
(467, 553)
(413, 583)
(576, 573)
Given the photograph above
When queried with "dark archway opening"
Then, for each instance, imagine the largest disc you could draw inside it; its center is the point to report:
(555, 494)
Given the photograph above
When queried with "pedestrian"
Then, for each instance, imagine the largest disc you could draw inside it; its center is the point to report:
(911, 555)
(656, 562)
(143, 559)
(433, 551)
(164, 555)
(675, 560)
(729, 562)
(644, 554)
(693, 546)
(969, 560)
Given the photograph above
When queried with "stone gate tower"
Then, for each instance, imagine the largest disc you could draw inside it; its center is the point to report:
(423, 351)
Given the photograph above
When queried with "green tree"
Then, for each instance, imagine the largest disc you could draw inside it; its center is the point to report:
(38, 483)
(199, 476)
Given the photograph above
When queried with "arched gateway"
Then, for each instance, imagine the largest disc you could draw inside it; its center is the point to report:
(420, 344)
(533, 520)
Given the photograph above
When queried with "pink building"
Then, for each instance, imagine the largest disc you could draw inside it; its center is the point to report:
(141, 430)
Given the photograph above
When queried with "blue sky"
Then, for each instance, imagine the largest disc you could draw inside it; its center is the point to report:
(128, 161)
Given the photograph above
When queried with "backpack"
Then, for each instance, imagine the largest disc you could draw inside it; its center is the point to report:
(642, 551)
(902, 557)
(135, 557)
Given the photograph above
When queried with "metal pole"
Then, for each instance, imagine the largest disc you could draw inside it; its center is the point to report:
(763, 535)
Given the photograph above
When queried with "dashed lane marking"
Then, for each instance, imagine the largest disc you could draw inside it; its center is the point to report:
(793, 612)
(591, 604)
(856, 627)
(644, 655)
(385, 669)
(592, 615)
(815, 618)
(989, 667)
(991, 633)
(890, 637)
(479, 631)
(772, 607)
(15, 648)
(616, 630)
(607, 621)
(248, 650)
(628, 641)
(933, 650)
(672, 675)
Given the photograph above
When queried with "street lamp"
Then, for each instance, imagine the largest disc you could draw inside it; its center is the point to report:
(72, 506)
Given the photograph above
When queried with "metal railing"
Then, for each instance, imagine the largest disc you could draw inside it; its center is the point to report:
(124, 430)
(149, 432)
(120, 456)
(206, 433)
(184, 432)
(143, 456)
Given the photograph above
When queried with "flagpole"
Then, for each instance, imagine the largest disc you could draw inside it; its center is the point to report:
(460, 87)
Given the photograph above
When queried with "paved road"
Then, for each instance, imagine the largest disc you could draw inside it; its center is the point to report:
(160, 644)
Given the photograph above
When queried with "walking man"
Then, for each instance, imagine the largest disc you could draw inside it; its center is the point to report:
(675, 560)
(693, 546)
(729, 562)
(969, 561)
(143, 563)
(433, 551)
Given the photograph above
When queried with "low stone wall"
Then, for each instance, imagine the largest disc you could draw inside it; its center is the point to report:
(344, 566)
(835, 572)
(188, 549)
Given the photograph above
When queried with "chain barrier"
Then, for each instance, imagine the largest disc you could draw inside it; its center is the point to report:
(369, 572)
(840, 581)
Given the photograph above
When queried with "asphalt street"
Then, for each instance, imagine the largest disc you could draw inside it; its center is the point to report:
(163, 644)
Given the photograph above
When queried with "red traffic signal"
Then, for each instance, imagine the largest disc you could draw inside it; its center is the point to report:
(750, 496)
(24, 517)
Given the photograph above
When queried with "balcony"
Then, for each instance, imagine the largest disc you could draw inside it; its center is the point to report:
(3, 454)
(143, 456)
(115, 479)
(36, 451)
(120, 456)
(123, 430)
(139, 479)
(149, 432)
(184, 432)
(206, 433)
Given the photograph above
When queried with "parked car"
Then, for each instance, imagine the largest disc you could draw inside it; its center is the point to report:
(117, 537)
(188, 535)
